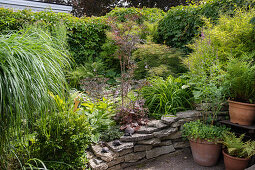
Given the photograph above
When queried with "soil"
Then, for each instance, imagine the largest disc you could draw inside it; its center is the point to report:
(182, 160)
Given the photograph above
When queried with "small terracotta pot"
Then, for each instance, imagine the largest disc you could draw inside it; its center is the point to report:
(241, 113)
(234, 163)
(205, 153)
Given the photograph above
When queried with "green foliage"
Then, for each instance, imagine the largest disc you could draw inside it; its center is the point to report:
(240, 80)
(99, 116)
(63, 136)
(108, 56)
(111, 134)
(85, 35)
(90, 69)
(166, 96)
(157, 60)
(236, 147)
(26, 76)
(182, 23)
(151, 15)
(196, 130)
(231, 37)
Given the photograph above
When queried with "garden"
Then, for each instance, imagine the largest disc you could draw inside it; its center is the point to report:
(111, 91)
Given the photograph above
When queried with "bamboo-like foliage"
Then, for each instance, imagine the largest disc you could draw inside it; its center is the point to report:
(31, 63)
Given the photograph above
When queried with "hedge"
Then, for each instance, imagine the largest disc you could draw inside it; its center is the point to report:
(183, 23)
(85, 35)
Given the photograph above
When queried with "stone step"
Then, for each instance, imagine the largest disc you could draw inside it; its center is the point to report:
(157, 124)
(136, 137)
(124, 148)
(97, 164)
(109, 156)
(165, 132)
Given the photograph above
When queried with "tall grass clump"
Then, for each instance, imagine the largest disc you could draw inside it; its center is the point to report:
(167, 96)
(31, 63)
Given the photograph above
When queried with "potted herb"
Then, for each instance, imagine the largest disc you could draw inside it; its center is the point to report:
(203, 135)
(240, 82)
(237, 153)
(204, 141)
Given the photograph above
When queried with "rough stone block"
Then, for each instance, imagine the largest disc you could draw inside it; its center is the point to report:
(181, 145)
(116, 161)
(123, 146)
(188, 114)
(165, 132)
(169, 119)
(165, 143)
(116, 167)
(97, 164)
(136, 137)
(126, 151)
(157, 124)
(153, 141)
(155, 152)
(147, 130)
(139, 148)
(134, 157)
(109, 156)
(175, 135)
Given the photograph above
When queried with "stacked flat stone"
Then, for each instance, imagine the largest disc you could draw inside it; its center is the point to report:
(157, 138)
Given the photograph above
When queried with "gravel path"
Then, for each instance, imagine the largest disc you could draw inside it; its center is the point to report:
(179, 161)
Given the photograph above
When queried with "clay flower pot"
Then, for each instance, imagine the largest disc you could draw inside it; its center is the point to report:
(234, 163)
(241, 113)
(205, 153)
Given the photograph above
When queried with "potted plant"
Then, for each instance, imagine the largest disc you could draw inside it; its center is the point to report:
(204, 141)
(240, 82)
(237, 152)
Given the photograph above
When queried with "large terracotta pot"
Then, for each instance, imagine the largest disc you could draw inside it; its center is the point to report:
(234, 163)
(241, 113)
(205, 153)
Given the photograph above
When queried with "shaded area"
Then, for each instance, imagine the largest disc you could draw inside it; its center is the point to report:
(179, 161)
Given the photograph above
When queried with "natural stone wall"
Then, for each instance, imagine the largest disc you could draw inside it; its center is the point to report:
(157, 138)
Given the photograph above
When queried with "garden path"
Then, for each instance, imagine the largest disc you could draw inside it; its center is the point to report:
(180, 161)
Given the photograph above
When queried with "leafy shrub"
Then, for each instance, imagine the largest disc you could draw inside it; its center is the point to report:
(197, 130)
(99, 116)
(236, 147)
(182, 23)
(231, 37)
(85, 35)
(111, 134)
(146, 14)
(166, 96)
(240, 80)
(157, 60)
(62, 138)
(27, 74)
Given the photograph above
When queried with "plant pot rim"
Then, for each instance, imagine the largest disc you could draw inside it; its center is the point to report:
(232, 157)
(241, 103)
(204, 141)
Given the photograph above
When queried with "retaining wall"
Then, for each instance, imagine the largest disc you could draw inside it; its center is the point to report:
(157, 138)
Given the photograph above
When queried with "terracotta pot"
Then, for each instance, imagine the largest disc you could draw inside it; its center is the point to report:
(241, 113)
(205, 153)
(234, 163)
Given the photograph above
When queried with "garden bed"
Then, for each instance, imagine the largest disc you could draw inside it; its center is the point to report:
(157, 138)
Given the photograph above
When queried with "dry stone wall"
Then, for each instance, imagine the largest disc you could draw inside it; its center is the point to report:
(157, 138)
